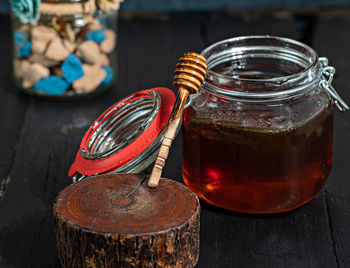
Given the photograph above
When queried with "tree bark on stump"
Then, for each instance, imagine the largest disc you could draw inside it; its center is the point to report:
(118, 221)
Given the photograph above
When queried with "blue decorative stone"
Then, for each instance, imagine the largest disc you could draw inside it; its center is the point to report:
(24, 47)
(25, 50)
(103, 22)
(19, 36)
(95, 14)
(52, 85)
(97, 36)
(109, 75)
(72, 68)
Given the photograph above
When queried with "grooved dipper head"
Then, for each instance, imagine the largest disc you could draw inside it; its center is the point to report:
(190, 72)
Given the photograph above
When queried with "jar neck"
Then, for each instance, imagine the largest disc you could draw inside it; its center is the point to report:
(260, 68)
(120, 125)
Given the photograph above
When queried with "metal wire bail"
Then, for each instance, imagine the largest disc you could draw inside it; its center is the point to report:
(326, 84)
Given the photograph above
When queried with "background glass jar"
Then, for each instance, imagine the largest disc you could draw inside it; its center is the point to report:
(258, 136)
(64, 48)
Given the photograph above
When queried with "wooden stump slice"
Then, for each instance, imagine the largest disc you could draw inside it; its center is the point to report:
(118, 221)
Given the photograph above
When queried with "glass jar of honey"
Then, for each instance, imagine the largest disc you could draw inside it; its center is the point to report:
(258, 137)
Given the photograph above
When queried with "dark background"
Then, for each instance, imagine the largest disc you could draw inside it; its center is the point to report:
(210, 5)
(39, 139)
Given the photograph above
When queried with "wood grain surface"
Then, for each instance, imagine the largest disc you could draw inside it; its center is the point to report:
(331, 42)
(118, 221)
(39, 140)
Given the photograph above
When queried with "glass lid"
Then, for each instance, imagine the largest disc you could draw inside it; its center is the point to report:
(126, 137)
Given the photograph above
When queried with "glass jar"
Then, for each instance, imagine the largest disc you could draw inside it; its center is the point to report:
(126, 137)
(64, 48)
(258, 136)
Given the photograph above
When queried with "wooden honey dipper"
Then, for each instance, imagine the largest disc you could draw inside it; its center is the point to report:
(189, 74)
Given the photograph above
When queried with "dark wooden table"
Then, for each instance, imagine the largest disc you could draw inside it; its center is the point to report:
(39, 139)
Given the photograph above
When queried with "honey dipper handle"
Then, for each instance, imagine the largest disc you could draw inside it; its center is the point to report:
(189, 75)
(169, 136)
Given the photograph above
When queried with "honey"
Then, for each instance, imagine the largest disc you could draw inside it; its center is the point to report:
(251, 165)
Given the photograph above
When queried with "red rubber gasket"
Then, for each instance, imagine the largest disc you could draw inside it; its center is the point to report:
(88, 167)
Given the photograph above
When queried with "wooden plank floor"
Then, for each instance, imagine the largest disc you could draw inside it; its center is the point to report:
(39, 140)
(332, 43)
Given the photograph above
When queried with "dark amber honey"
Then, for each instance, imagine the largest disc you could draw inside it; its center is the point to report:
(256, 169)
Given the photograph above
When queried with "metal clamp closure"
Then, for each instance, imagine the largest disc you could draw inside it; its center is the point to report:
(326, 84)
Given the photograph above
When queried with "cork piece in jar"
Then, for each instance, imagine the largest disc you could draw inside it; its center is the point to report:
(70, 46)
(18, 66)
(104, 60)
(21, 68)
(41, 36)
(56, 50)
(24, 28)
(94, 26)
(34, 73)
(93, 76)
(59, 9)
(89, 52)
(108, 6)
(43, 60)
(108, 44)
